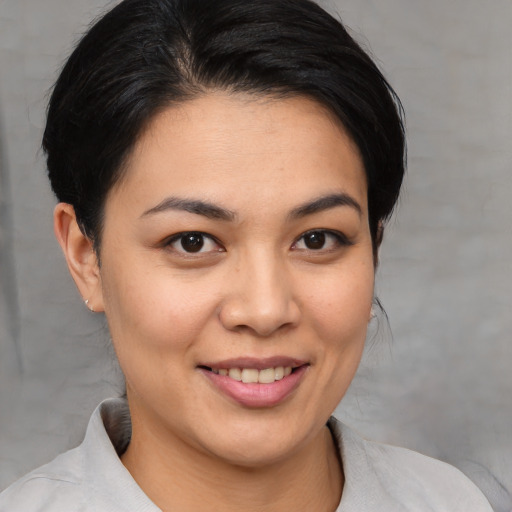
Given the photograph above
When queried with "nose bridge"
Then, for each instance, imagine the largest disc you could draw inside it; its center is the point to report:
(261, 294)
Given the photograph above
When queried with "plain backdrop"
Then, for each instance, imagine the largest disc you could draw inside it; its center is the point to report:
(439, 380)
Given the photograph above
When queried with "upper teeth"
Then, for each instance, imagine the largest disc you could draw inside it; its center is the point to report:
(251, 375)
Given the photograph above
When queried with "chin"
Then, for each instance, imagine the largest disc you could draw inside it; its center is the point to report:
(258, 443)
(255, 454)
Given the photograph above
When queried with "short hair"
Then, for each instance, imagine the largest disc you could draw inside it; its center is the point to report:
(146, 55)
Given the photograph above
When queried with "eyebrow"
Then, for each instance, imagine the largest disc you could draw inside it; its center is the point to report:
(196, 206)
(212, 211)
(325, 203)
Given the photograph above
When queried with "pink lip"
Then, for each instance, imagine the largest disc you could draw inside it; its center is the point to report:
(256, 395)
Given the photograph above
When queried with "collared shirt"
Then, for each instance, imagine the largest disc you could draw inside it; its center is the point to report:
(378, 477)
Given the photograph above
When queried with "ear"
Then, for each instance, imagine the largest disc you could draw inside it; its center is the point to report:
(80, 256)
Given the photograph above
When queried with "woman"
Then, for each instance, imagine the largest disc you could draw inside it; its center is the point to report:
(224, 170)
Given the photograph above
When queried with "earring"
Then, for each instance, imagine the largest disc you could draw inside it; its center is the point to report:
(373, 314)
(91, 309)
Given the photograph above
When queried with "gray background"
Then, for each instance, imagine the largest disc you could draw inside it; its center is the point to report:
(440, 384)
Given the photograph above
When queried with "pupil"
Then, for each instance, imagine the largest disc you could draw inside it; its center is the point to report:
(192, 242)
(315, 240)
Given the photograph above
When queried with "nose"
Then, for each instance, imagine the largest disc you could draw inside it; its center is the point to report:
(260, 299)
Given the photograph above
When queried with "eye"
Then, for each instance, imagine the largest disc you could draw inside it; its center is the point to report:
(319, 240)
(193, 243)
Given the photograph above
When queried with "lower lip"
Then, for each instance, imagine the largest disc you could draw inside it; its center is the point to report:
(255, 394)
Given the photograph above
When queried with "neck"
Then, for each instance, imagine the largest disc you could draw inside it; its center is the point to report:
(176, 476)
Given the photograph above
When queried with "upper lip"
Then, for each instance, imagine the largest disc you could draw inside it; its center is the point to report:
(256, 363)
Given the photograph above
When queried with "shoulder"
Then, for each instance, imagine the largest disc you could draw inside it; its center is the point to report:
(90, 478)
(413, 477)
(393, 478)
(54, 487)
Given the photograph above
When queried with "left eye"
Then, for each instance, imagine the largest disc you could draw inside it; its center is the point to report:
(193, 243)
(320, 240)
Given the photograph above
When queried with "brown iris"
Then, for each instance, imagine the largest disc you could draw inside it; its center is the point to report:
(192, 242)
(314, 240)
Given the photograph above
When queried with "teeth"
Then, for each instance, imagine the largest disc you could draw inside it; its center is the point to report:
(251, 375)
(267, 376)
(235, 373)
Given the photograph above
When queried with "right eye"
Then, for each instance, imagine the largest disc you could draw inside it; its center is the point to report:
(193, 243)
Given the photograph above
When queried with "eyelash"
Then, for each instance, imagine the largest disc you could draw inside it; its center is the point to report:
(181, 236)
(339, 238)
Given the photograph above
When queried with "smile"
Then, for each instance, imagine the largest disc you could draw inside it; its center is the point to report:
(256, 384)
(252, 375)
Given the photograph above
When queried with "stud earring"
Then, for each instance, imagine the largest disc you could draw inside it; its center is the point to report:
(91, 309)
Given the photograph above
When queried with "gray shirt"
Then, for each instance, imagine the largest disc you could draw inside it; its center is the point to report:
(378, 477)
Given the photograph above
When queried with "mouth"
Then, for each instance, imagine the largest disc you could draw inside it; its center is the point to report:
(252, 383)
(253, 375)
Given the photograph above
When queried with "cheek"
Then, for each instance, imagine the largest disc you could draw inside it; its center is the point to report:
(154, 310)
(338, 315)
(340, 306)
(155, 321)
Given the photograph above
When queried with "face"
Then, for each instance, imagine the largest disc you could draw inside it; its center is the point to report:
(237, 247)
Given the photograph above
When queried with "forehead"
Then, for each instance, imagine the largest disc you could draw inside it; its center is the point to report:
(234, 147)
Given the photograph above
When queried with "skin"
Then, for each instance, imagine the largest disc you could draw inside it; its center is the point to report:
(255, 289)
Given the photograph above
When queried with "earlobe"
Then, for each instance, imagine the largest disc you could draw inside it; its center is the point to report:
(80, 256)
